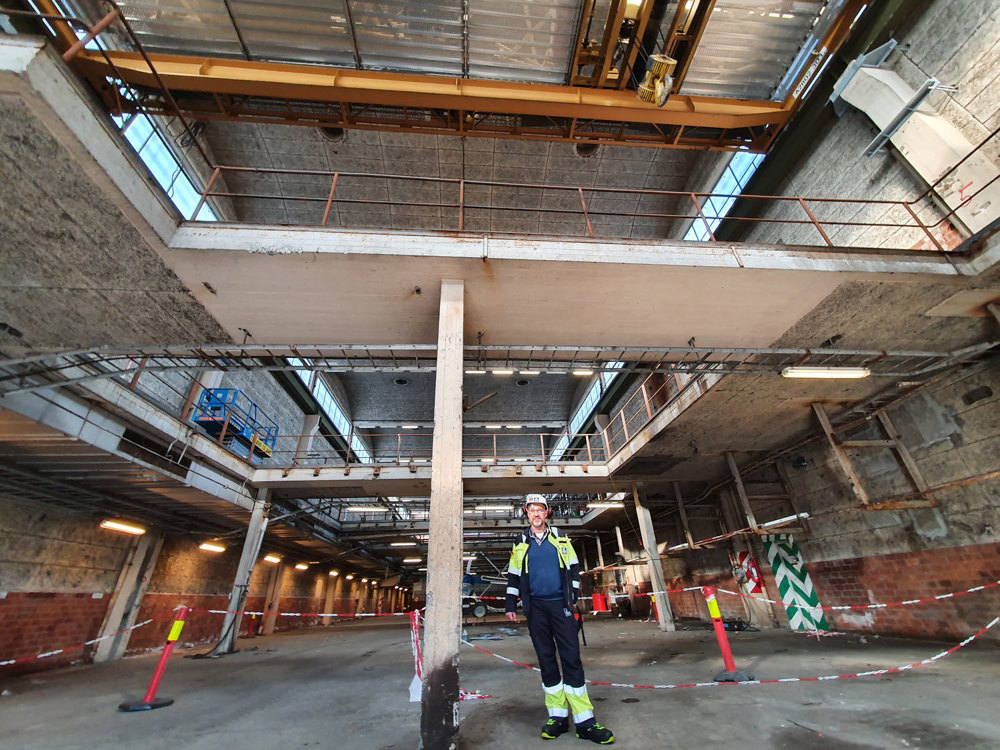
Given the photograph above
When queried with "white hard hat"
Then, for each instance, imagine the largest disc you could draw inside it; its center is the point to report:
(535, 500)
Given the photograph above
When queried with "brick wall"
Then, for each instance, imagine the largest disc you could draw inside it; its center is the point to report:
(199, 627)
(913, 575)
(37, 622)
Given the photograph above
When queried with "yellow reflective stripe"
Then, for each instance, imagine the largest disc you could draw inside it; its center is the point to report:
(713, 609)
(175, 631)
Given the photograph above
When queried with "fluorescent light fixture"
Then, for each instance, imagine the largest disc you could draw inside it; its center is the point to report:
(403, 544)
(410, 426)
(421, 570)
(520, 460)
(492, 426)
(514, 426)
(852, 373)
(583, 372)
(417, 461)
(210, 547)
(503, 372)
(301, 566)
(475, 372)
(605, 505)
(786, 519)
(412, 560)
(335, 572)
(470, 557)
(365, 509)
(364, 580)
(272, 559)
(530, 372)
(126, 528)
(493, 507)
(677, 547)
(349, 577)
(486, 460)
(468, 512)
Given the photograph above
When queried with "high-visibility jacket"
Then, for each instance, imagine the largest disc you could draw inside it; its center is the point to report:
(517, 569)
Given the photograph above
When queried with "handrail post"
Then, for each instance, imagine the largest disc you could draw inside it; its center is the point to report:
(590, 230)
(205, 193)
(495, 460)
(645, 397)
(138, 372)
(541, 442)
(590, 456)
(329, 200)
(815, 222)
(624, 424)
(702, 215)
(924, 227)
(399, 448)
(461, 204)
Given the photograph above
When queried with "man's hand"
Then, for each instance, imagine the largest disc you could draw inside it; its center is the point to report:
(512, 616)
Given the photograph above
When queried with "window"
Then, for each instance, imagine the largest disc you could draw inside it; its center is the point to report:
(734, 179)
(324, 397)
(585, 410)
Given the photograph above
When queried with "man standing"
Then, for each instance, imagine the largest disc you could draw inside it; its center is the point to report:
(545, 573)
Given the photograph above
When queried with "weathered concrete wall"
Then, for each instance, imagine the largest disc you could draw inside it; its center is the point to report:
(957, 42)
(57, 571)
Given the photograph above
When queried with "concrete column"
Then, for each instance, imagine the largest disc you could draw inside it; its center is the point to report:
(241, 583)
(331, 587)
(600, 552)
(443, 620)
(663, 612)
(127, 596)
(310, 423)
(621, 544)
(273, 598)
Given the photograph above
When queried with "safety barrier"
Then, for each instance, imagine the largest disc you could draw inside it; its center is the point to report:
(75, 647)
(150, 701)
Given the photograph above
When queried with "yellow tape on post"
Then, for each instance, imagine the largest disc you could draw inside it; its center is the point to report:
(713, 609)
(175, 631)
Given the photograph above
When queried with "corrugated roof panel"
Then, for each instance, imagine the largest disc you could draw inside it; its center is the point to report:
(295, 31)
(419, 37)
(523, 41)
(191, 27)
(748, 47)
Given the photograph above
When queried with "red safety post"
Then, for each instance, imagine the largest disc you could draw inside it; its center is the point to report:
(150, 701)
(730, 673)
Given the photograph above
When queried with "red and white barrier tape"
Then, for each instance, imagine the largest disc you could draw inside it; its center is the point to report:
(843, 607)
(872, 673)
(56, 652)
(302, 614)
(418, 664)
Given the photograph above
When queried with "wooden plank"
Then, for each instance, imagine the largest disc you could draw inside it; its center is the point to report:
(443, 619)
(842, 458)
(904, 455)
(741, 491)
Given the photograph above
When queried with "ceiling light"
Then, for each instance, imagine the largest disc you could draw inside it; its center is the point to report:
(486, 460)
(677, 547)
(272, 558)
(786, 519)
(412, 560)
(127, 528)
(493, 507)
(520, 460)
(605, 505)
(349, 577)
(470, 557)
(417, 461)
(529, 372)
(403, 544)
(421, 570)
(503, 372)
(583, 372)
(475, 372)
(514, 427)
(364, 580)
(804, 371)
(301, 566)
(365, 509)
(492, 426)
(410, 426)
(209, 547)
(335, 572)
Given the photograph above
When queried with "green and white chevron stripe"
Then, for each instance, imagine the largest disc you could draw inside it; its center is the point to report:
(794, 584)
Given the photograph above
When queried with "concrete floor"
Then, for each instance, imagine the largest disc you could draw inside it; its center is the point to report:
(345, 687)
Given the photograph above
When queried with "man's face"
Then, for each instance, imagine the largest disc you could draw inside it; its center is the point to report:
(536, 515)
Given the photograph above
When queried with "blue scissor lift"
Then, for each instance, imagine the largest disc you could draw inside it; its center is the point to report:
(245, 429)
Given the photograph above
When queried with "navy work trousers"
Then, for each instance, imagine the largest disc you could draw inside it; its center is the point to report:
(551, 626)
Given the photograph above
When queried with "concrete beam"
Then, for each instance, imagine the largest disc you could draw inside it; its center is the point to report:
(127, 596)
(439, 709)
(664, 615)
(241, 583)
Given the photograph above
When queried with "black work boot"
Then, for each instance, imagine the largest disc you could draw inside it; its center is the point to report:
(554, 727)
(596, 733)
